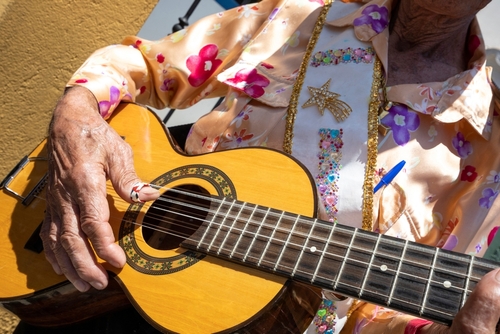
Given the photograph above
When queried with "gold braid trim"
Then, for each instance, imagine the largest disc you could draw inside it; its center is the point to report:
(373, 109)
(372, 152)
(297, 87)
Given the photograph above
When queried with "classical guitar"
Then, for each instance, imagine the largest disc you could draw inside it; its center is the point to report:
(220, 247)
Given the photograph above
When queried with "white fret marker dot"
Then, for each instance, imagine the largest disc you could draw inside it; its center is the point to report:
(447, 284)
(383, 267)
(313, 249)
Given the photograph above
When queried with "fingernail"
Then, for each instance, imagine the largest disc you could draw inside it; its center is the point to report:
(57, 269)
(81, 285)
(98, 285)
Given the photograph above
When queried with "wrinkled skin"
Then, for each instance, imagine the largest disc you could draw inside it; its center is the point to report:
(428, 39)
(84, 151)
(77, 214)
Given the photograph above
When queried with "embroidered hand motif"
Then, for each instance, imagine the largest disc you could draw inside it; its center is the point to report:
(325, 99)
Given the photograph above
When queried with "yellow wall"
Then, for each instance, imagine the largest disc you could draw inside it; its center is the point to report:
(41, 44)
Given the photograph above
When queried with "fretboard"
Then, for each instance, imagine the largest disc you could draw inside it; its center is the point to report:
(412, 278)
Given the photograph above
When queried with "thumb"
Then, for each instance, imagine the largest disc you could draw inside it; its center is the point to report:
(481, 312)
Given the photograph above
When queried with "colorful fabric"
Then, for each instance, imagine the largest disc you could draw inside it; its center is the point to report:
(447, 194)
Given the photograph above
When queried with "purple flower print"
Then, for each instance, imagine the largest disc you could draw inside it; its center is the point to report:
(168, 85)
(375, 16)
(463, 147)
(401, 121)
(489, 196)
(114, 99)
(451, 242)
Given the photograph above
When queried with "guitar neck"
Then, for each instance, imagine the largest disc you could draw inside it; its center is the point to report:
(405, 276)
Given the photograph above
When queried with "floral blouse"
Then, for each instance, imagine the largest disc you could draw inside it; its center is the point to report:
(447, 132)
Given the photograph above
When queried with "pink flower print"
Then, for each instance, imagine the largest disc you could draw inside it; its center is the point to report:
(114, 99)
(474, 43)
(267, 65)
(160, 58)
(203, 65)
(463, 147)
(492, 234)
(468, 174)
(81, 81)
(375, 16)
(489, 196)
(250, 82)
(401, 121)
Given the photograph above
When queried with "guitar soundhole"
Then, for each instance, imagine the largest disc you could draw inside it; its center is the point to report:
(175, 216)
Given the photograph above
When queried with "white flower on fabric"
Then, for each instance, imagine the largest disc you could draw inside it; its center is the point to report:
(208, 65)
(432, 132)
(399, 120)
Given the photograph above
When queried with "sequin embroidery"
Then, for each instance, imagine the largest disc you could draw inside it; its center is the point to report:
(349, 55)
(329, 156)
(324, 320)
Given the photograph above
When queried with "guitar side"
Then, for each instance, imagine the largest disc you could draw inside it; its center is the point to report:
(209, 296)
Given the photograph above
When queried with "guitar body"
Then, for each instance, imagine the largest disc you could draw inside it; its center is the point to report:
(175, 289)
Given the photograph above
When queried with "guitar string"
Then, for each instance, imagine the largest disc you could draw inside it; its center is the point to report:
(238, 205)
(427, 308)
(299, 234)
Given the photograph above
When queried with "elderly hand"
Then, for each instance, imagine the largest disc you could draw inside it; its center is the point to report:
(480, 313)
(84, 151)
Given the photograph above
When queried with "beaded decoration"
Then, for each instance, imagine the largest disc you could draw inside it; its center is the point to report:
(329, 166)
(324, 320)
(349, 55)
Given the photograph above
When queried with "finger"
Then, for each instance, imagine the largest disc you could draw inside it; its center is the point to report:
(94, 222)
(122, 175)
(481, 312)
(49, 240)
(76, 257)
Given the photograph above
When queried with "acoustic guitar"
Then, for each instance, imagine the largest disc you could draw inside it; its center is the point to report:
(219, 250)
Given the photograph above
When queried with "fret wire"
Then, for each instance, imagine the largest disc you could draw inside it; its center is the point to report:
(220, 225)
(286, 244)
(345, 257)
(396, 276)
(323, 252)
(235, 219)
(243, 232)
(369, 265)
(210, 223)
(270, 238)
(256, 233)
(467, 280)
(429, 281)
(387, 256)
(303, 248)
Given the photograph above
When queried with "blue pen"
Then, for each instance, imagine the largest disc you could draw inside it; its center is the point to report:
(387, 178)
